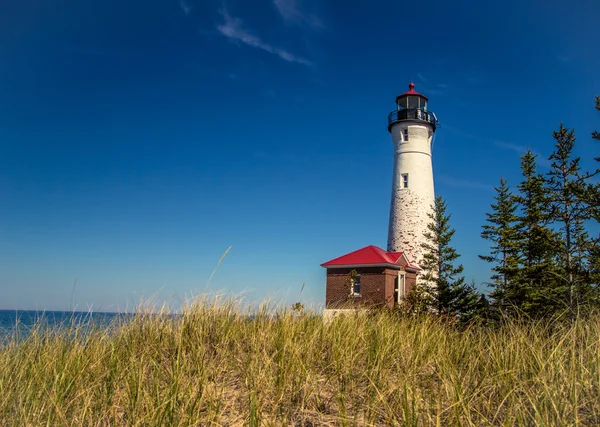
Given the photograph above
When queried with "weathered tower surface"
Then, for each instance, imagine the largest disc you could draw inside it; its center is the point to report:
(412, 127)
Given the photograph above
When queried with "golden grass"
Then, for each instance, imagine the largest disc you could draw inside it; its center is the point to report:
(214, 365)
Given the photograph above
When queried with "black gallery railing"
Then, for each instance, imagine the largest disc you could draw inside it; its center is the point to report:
(411, 114)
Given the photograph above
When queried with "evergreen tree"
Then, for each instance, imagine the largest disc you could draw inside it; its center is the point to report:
(534, 291)
(502, 233)
(596, 134)
(594, 256)
(569, 195)
(595, 203)
(484, 312)
(595, 189)
(447, 291)
(420, 299)
(544, 260)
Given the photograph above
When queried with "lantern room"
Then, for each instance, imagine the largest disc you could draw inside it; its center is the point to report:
(411, 106)
(411, 99)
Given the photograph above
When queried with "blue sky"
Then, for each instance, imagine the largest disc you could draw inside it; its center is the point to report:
(141, 139)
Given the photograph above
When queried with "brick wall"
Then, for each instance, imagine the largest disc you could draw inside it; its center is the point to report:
(376, 287)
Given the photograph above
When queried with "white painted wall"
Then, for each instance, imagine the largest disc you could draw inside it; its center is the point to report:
(410, 206)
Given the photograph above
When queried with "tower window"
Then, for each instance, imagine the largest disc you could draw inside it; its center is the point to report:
(404, 180)
(406, 134)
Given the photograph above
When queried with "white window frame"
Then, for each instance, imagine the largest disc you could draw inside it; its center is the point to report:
(405, 135)
(401, 286)
(404, 180)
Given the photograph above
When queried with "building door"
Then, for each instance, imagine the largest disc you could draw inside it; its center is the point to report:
(400, 288)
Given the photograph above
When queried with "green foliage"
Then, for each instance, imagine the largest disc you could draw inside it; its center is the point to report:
(594, 257)
(569, 195)
(351, 281)
(544, 260)
(502, 233)
(534, 239)
(298, 307)
(596, 134)
(420, 299)
(483, 312)
(442, 286)
(594, 195)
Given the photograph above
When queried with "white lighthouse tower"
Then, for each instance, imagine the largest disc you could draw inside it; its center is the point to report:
(412, 127)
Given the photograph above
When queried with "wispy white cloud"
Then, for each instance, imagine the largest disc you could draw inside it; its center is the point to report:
(290, 11)
(233, 29)
(434, 92)
(464, 183)
(522, 149)
(187, 9)
(429, 87)
(517, 148)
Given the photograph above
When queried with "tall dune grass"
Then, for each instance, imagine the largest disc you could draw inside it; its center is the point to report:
(216, 365)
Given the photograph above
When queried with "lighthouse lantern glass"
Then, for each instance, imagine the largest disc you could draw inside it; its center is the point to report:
(413, 102)
(402, 103)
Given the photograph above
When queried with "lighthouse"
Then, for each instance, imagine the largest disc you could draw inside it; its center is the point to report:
(412, 126)
(371, 276)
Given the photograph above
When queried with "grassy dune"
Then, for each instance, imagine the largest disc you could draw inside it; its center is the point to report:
(214, 365)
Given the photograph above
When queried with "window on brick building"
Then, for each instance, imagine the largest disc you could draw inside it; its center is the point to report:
(405, 134)
(404, 180)
(356, 286)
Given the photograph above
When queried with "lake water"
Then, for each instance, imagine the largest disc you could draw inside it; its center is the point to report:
(23, 320)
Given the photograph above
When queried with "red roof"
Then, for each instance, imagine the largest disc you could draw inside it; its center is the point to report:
(411, 91)
(369, 255)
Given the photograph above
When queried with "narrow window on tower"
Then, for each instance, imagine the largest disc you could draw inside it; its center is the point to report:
(405, 134)
(404, 180)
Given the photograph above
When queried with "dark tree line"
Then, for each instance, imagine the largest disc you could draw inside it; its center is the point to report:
(544, 260)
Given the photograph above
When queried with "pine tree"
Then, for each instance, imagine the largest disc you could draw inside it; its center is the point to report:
(596, 134)
(556, 264)
(420, 300)
(594, 254)
(594, 269)
(534, 291)
(595, 189)
(569, 194)
(483, 312)
(448, 292)
(502, 234)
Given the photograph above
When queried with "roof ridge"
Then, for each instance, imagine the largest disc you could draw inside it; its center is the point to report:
(381, 253)
(370, 254)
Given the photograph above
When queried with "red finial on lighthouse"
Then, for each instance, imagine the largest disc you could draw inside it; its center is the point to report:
(411, 91)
